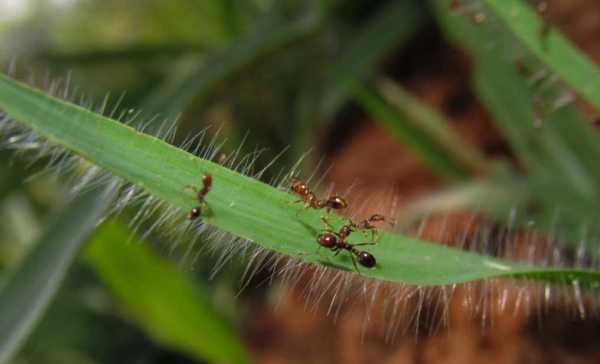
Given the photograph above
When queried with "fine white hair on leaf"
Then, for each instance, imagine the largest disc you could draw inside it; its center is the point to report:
(328, 290)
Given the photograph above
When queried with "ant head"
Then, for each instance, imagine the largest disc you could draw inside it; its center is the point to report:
(337, 203)
(327, 239)
(366, 259)
(194, 213)
(298, 186)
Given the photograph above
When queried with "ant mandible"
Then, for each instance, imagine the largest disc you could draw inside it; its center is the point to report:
(206, 185)
(310, 199)
(336, 242)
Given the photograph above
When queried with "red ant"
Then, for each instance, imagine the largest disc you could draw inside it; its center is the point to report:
(310, 199)
(206, 184)
(367, 224)
(336, 242)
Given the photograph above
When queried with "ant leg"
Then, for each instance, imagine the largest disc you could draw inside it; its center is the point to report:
(190, 187)
(374, 235)
(326, 222)
(294, 202)
(359, 244)
(354, 263)
(318, 252)
(298, 201)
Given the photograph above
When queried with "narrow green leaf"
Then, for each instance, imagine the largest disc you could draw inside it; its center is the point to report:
(132, 53)
(560, 154)
(27, 292)
(415, 137)
(552, 48)
(270, 33)
(500, 195)
(161, 298)
(435, 126)
(513, 29)
(389, 28)
(241, 205)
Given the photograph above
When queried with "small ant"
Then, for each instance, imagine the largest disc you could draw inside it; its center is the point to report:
(310, 199)
(206, 184)
(367, 224)
(336, 242)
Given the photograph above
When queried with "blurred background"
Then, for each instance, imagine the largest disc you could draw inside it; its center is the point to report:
(381, 92)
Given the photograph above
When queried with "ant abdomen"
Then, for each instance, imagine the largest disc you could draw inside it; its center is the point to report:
(336, 203)
(366, 259)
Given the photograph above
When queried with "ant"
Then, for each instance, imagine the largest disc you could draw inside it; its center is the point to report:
(336, 242)
(367, 224)
(310, 199)
(206, 184)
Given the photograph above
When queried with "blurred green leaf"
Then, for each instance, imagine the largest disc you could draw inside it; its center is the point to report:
(270, 33)
(132, 53)
(412, 134)
(362, 52)
(559, 148)
(434, 125)
(494, 196)
(513, 31)
(551, 47)
(28, 290)
(561, 153)
(160, 298)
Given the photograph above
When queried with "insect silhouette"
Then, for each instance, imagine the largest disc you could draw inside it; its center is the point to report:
(200, 195)
(369, 224)
(311, 200)
(336, 242)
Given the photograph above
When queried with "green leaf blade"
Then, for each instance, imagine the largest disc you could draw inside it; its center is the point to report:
(238, 204)
(161, 299)
(28, 291)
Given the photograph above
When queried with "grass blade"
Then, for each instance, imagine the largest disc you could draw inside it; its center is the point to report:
(415, 137)
(161, 299)
(241, 205)
(392, 26)
(513, 30)
(552, 48)
(269, 34)
(434, 125)
(560, 154)
(29, 289)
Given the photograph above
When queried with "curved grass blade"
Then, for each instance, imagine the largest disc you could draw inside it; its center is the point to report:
(393, 25)
(415, 137)
(513, 31)
(27, 292)
(270, 33)
(161, 299)
(551, 47)
(435, 125)
(239, 204)
(561, 153)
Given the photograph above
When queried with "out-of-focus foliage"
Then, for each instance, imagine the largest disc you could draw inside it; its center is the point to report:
(282, 70)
